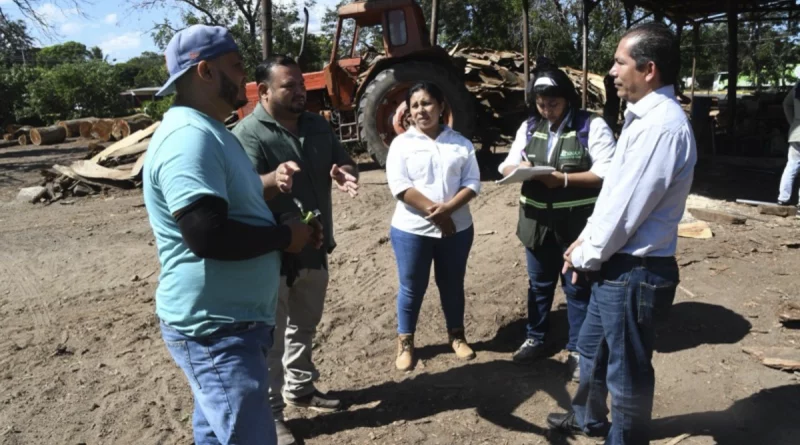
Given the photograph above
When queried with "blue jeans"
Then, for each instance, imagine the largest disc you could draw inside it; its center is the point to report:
(616, 347)
(544, 268)
(227, 372)
(414, 254)
(790, 172)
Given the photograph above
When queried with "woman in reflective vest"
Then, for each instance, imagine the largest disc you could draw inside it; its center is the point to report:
(554, 208)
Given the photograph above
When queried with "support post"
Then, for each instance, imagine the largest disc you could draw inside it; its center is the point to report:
(266, 28)
(695, 39)
(587, 5)
(733, 62)
(525, 49)
(434, 22)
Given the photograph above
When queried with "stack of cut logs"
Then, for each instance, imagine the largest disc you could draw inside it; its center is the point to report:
(104, 130)
(118, 165)
(497, 78)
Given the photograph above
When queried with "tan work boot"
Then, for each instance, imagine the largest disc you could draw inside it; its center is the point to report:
(459, 343)
(405, 352)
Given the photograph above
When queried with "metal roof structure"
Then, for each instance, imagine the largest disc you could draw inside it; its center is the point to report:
(714, 10)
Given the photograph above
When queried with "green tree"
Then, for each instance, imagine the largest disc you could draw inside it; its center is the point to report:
(67, 52)
(14, 82)
(14, 40)
(243, 19)
(145, 70)
(72, 90)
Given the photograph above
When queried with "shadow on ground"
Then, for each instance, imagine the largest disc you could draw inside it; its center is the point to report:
(767, 417)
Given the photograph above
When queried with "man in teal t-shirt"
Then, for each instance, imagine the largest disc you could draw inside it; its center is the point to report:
(218, 243)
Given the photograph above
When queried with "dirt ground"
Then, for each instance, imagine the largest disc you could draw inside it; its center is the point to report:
(82, 361)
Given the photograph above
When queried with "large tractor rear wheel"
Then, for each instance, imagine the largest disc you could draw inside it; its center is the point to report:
(388, 90)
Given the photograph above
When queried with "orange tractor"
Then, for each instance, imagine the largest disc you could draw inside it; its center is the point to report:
(361, 104)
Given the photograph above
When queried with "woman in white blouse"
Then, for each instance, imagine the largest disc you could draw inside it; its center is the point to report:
(554, 208)
(433, 173)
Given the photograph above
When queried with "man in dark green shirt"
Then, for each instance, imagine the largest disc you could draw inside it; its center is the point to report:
(299, 158)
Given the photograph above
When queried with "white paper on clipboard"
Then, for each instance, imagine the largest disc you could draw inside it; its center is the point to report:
(521, 174)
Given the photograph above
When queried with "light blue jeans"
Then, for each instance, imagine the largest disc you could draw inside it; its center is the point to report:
(790, 172)
(227, 372)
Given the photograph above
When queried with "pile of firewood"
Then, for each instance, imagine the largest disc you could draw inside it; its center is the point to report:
(87, 128)
(497, 78)
(119, 165)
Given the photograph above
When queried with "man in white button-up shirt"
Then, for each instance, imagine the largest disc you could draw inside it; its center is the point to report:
(629, 243)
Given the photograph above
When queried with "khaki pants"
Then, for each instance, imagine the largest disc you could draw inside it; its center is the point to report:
(291, 371)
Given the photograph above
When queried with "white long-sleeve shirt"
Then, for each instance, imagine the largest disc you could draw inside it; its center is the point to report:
(644, 193)
(436, 168)
(601, 145)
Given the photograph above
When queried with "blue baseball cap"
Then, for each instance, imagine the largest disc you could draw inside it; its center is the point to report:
(191, 46)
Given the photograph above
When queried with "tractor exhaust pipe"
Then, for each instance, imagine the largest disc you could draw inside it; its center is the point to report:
(305, 33)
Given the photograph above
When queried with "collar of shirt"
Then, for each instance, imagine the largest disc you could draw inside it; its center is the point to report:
(444, 134)
(263, 115)
(650, 101)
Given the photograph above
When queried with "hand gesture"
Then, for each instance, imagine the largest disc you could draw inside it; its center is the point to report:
(302, 235)
(283, 176)
(448, 227)
(439, 214)
(568, 260)
(317, 236)
(344, 181)
(551, 181)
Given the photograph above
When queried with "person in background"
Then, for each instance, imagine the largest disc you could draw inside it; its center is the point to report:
(280, 132)
(433, 173)
(629, 243)
(218, 243)
(554, 208)
(791, 108)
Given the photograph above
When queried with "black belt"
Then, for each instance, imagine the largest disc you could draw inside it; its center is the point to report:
(637, 261)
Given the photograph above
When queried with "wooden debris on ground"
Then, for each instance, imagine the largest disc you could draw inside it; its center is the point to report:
(118, 165)
(781, 358)
(789, 313)
(696, 230)
(679, 439)
(717, 216)
(776, 210)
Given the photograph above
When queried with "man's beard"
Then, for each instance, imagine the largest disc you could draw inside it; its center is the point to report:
(229, 92)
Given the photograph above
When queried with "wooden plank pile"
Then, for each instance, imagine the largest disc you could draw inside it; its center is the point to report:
(497, 78)
(104, 130)
(119, 165)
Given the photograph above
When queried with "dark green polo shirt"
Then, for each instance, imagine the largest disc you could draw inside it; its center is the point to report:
(269, 144)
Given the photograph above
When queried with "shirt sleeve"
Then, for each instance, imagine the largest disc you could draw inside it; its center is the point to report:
(647, 174)
(470, 172)
(193, 167)
(517, 147)
(252, 146)
(396, 169)
(601, 146)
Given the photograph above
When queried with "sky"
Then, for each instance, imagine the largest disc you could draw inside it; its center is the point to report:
(119, 30)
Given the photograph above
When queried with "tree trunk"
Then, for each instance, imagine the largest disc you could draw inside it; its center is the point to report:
(23, 140)
(73, 127)
(85, 127)
(12, 128)
(21, 131)
(125, 126)
(8, 137)
(102, 129)
(48, 135)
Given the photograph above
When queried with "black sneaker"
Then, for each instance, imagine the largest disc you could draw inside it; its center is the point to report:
(529, 352)
(565, 423)
(573, 364)
(316, 401)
